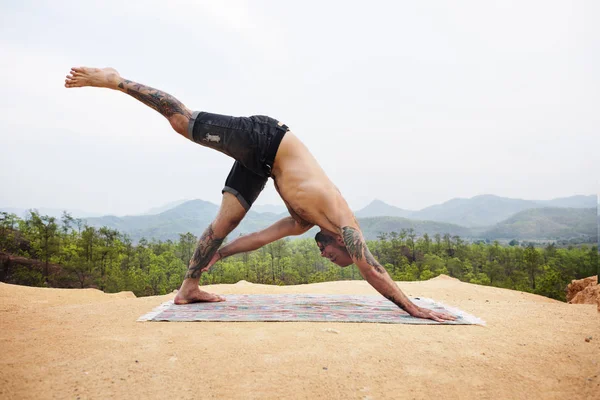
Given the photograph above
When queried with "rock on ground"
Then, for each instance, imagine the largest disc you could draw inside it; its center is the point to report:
(584, 291)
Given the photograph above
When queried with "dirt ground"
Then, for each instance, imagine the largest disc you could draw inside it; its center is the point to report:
(82, 343)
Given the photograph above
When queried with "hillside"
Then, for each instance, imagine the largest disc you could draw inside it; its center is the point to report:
(487, 210)
(547, 223)
(194, 216)
(191, 216)
(475, 217)
(578, 201)
(541, 223)
(372, 227)
(482, 210)
(164, 207)
(269, 208)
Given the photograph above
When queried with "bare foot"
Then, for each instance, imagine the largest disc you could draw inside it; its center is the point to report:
(98, 77)
(191, 293)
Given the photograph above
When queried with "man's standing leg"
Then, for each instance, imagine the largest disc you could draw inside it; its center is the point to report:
(229, 216)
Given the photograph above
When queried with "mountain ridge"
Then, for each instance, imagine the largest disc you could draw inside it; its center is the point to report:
(478, 216)
(576, 201)
(195, 215)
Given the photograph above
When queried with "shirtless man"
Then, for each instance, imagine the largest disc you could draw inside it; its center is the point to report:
(262, 148)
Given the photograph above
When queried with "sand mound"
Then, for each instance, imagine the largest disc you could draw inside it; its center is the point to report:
(443, 277)
(15, 296)
(123, 295)
(82, 343)
(583, 291)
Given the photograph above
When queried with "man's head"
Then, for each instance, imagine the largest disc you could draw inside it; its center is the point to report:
(332, 247)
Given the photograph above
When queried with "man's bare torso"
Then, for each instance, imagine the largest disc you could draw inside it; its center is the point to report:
(311, 198)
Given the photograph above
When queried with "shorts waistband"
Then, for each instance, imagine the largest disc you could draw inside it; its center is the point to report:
(273, 147)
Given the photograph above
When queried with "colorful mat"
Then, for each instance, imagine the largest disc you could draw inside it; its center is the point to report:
(304, 308)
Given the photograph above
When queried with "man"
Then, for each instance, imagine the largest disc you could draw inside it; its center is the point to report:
(262, 148)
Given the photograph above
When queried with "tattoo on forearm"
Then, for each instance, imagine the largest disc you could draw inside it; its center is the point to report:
(206, 248)
(162, 102)
(396, 302)
(372, 261)
(356, 246)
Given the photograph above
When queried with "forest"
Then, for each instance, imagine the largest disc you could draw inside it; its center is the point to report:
(45, 251)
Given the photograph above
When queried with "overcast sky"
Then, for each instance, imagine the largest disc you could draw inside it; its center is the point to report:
(409, 102)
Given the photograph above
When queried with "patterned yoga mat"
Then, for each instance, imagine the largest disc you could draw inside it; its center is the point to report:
(304, 308)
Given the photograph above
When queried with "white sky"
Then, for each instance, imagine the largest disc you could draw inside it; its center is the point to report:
(410, 102)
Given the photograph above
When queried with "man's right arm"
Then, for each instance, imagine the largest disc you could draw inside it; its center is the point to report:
(280, 229)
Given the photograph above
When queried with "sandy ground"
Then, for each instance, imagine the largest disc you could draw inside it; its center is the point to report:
(61, 343)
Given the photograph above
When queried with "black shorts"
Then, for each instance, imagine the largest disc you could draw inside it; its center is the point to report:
(251, 141)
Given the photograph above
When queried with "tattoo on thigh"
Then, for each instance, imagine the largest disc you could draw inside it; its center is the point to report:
(206, 248)
(160, 101)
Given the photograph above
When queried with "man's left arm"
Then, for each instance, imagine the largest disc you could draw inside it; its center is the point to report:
(378, 277)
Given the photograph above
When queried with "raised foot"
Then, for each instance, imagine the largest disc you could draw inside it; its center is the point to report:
(97, 77)
(196, 296)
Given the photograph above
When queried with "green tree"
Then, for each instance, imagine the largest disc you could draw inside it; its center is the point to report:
(8, 231)
(532, 263)
(43, 237)
(186, 246)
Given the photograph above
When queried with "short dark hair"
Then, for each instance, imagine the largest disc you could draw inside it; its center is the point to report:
(324, 238)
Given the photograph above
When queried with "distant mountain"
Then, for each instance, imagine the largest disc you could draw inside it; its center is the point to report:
(195, 215)
(378, 208)
(481, 216)
(191, 216)
(373, 227)
(259, 208)
(547, 223)
(51, 212)
(486, 210)
(269, 208)
(578, 201)
(164, 207)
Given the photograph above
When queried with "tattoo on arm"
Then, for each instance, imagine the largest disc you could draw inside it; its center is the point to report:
(356, 246)
(354, 242)
(396, 302)
(160, 101)
(206, 248)
(372, 261)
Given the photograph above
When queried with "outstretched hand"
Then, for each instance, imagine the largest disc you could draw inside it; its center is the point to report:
(426, 313)
(212, 261)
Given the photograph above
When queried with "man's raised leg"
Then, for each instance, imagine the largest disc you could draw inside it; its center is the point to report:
(171, 108)
(229, 216)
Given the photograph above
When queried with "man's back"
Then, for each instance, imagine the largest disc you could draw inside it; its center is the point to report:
(303, 185)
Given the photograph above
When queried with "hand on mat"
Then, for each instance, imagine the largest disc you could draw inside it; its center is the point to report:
(213, 260)
(426, 313)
